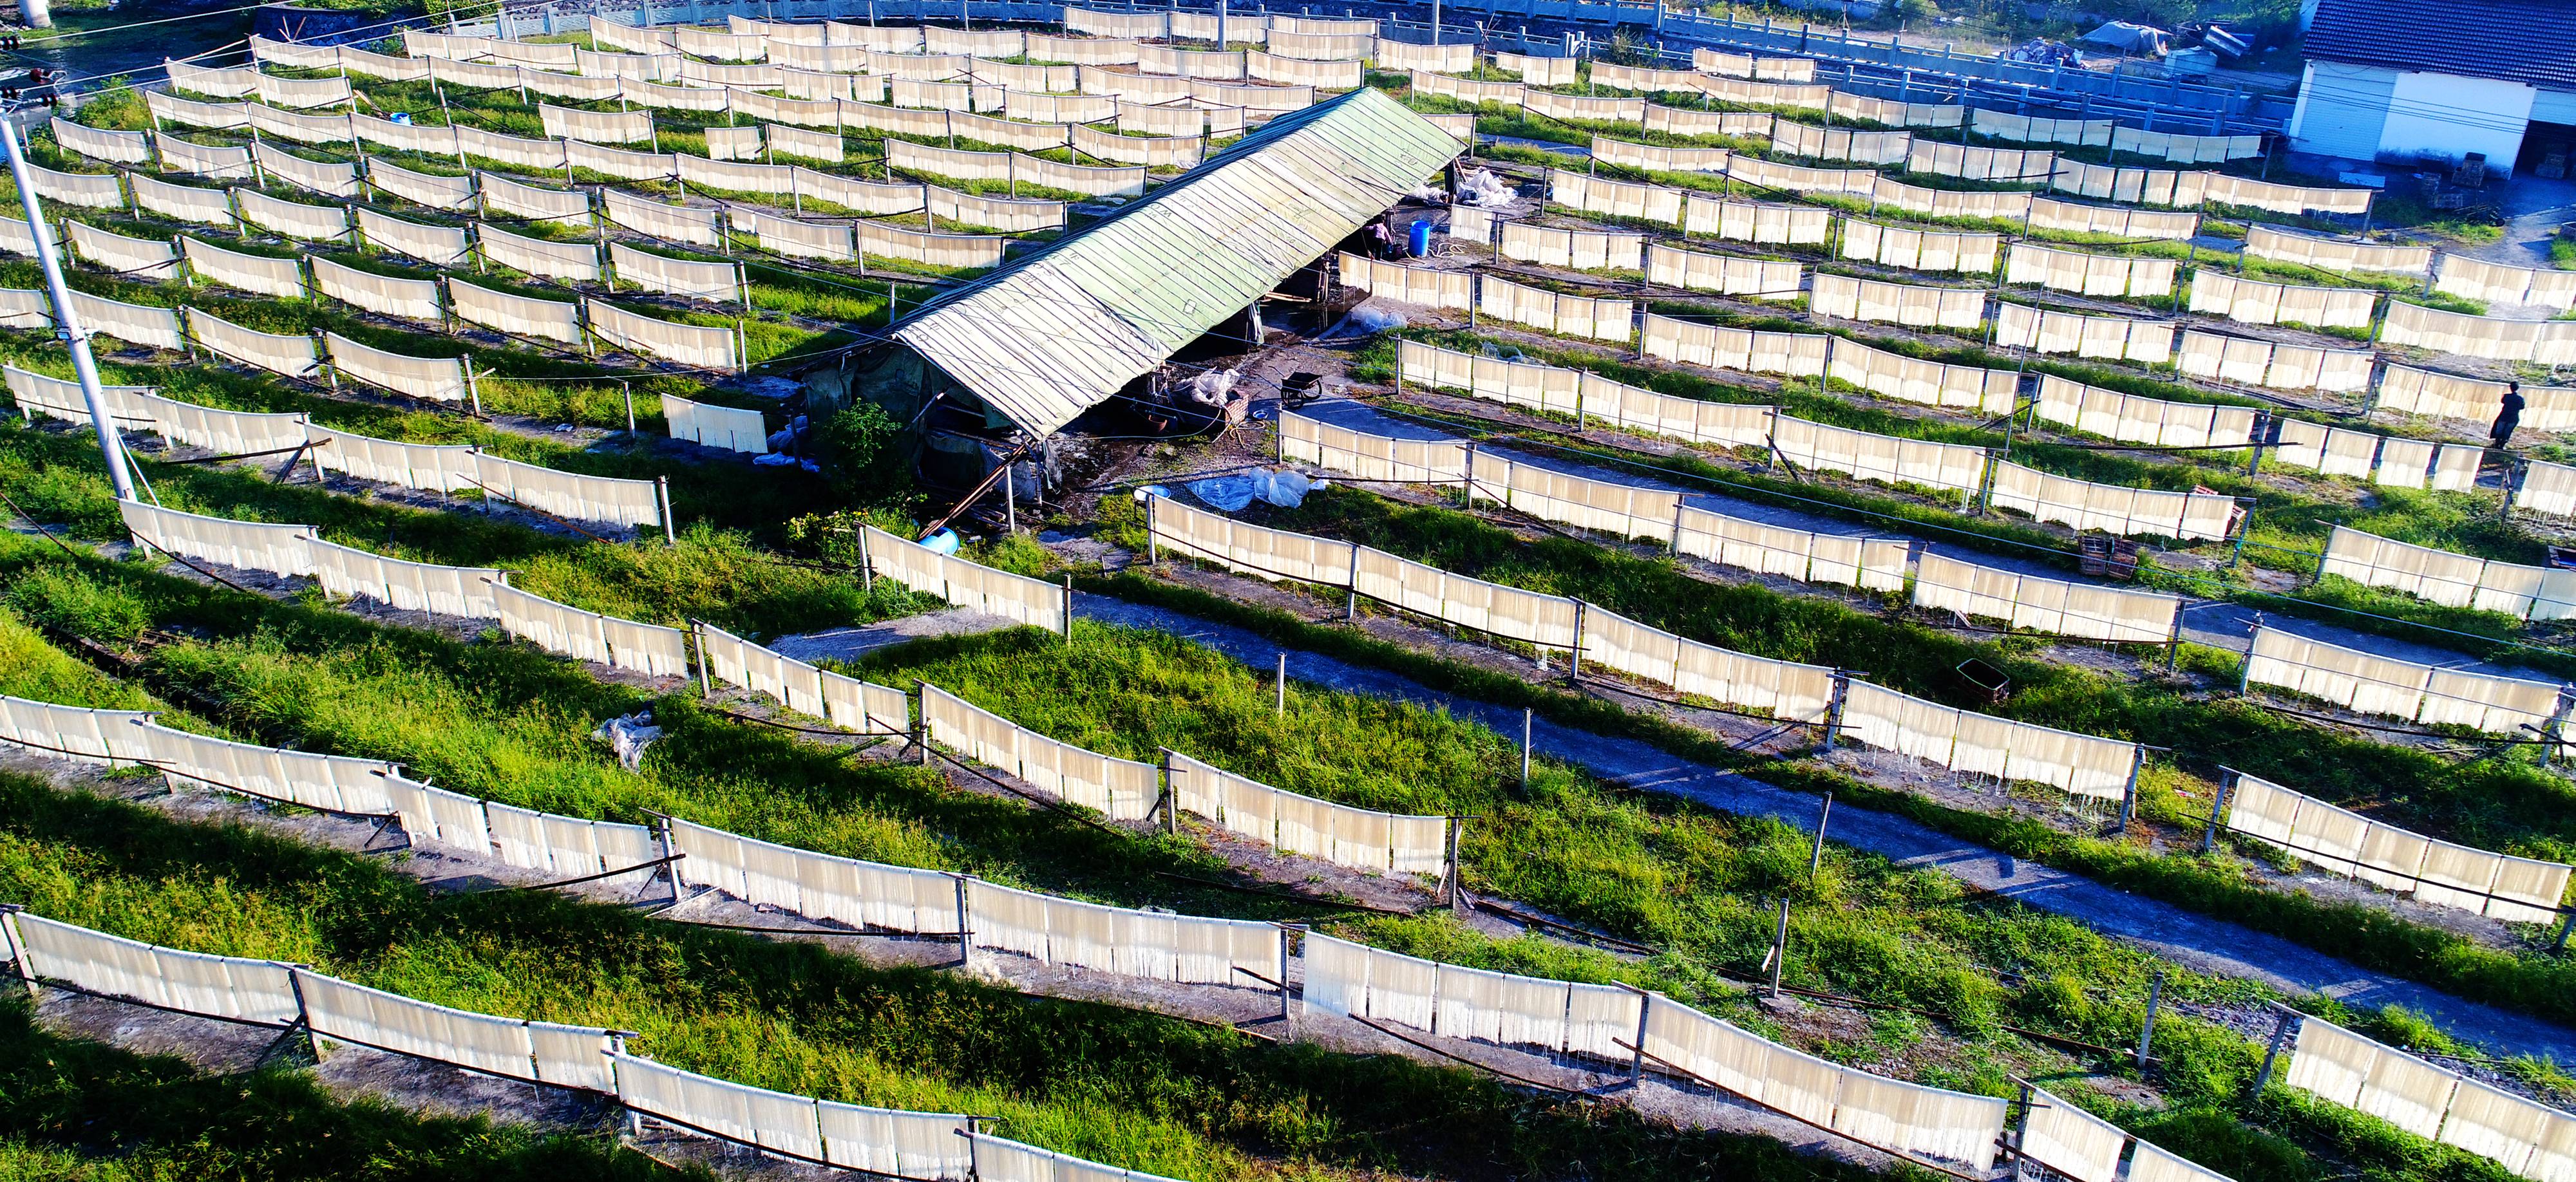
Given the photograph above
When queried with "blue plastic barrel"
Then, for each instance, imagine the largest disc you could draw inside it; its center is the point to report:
(1420, 240)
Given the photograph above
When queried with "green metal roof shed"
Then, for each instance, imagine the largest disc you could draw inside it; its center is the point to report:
(1052, 334)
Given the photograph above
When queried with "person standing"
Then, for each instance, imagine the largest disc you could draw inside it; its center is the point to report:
(2501, 434)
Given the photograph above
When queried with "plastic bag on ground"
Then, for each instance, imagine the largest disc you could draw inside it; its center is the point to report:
(628, 735)
(1482, 187)
(1228, 494)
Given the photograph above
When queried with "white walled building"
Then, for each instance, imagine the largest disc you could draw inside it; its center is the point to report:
(2402, 80)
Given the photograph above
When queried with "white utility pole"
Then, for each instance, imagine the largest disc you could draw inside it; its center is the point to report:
(67, 327)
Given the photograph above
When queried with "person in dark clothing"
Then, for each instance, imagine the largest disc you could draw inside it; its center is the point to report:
(2508, 418)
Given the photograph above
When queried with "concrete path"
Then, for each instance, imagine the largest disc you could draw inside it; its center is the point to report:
(2194, 940)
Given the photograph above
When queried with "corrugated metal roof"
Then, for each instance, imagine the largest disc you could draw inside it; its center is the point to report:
(1052, 334)
(2527, 41)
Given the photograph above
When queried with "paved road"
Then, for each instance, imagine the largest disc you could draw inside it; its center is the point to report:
(2194, 940)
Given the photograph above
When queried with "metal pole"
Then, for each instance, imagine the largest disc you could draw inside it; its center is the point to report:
(1171, 799)
(1449, 881)
(1780, 947)
(2147, 1034)
(1824, 817)
(2218, 809)
(2129, 794)
(2272, 1054)
(1068, 609)
(67, 327)
(965, 922)
(1281, 679)
(1528, 717)
(1153, 549)
(706, 684)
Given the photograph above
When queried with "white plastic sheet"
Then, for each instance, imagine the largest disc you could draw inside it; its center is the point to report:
(517, 315)
(461, 591)
(729, 428)
(388, 295)
(1121, 789)
(575, 495)
(291, 354)
(964, 583)
(62, 398)
(191, 982)
(2044, 604)
(2113, 508)
(576, 261)
(439, 379)
(1984, 744)
(700, 345)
